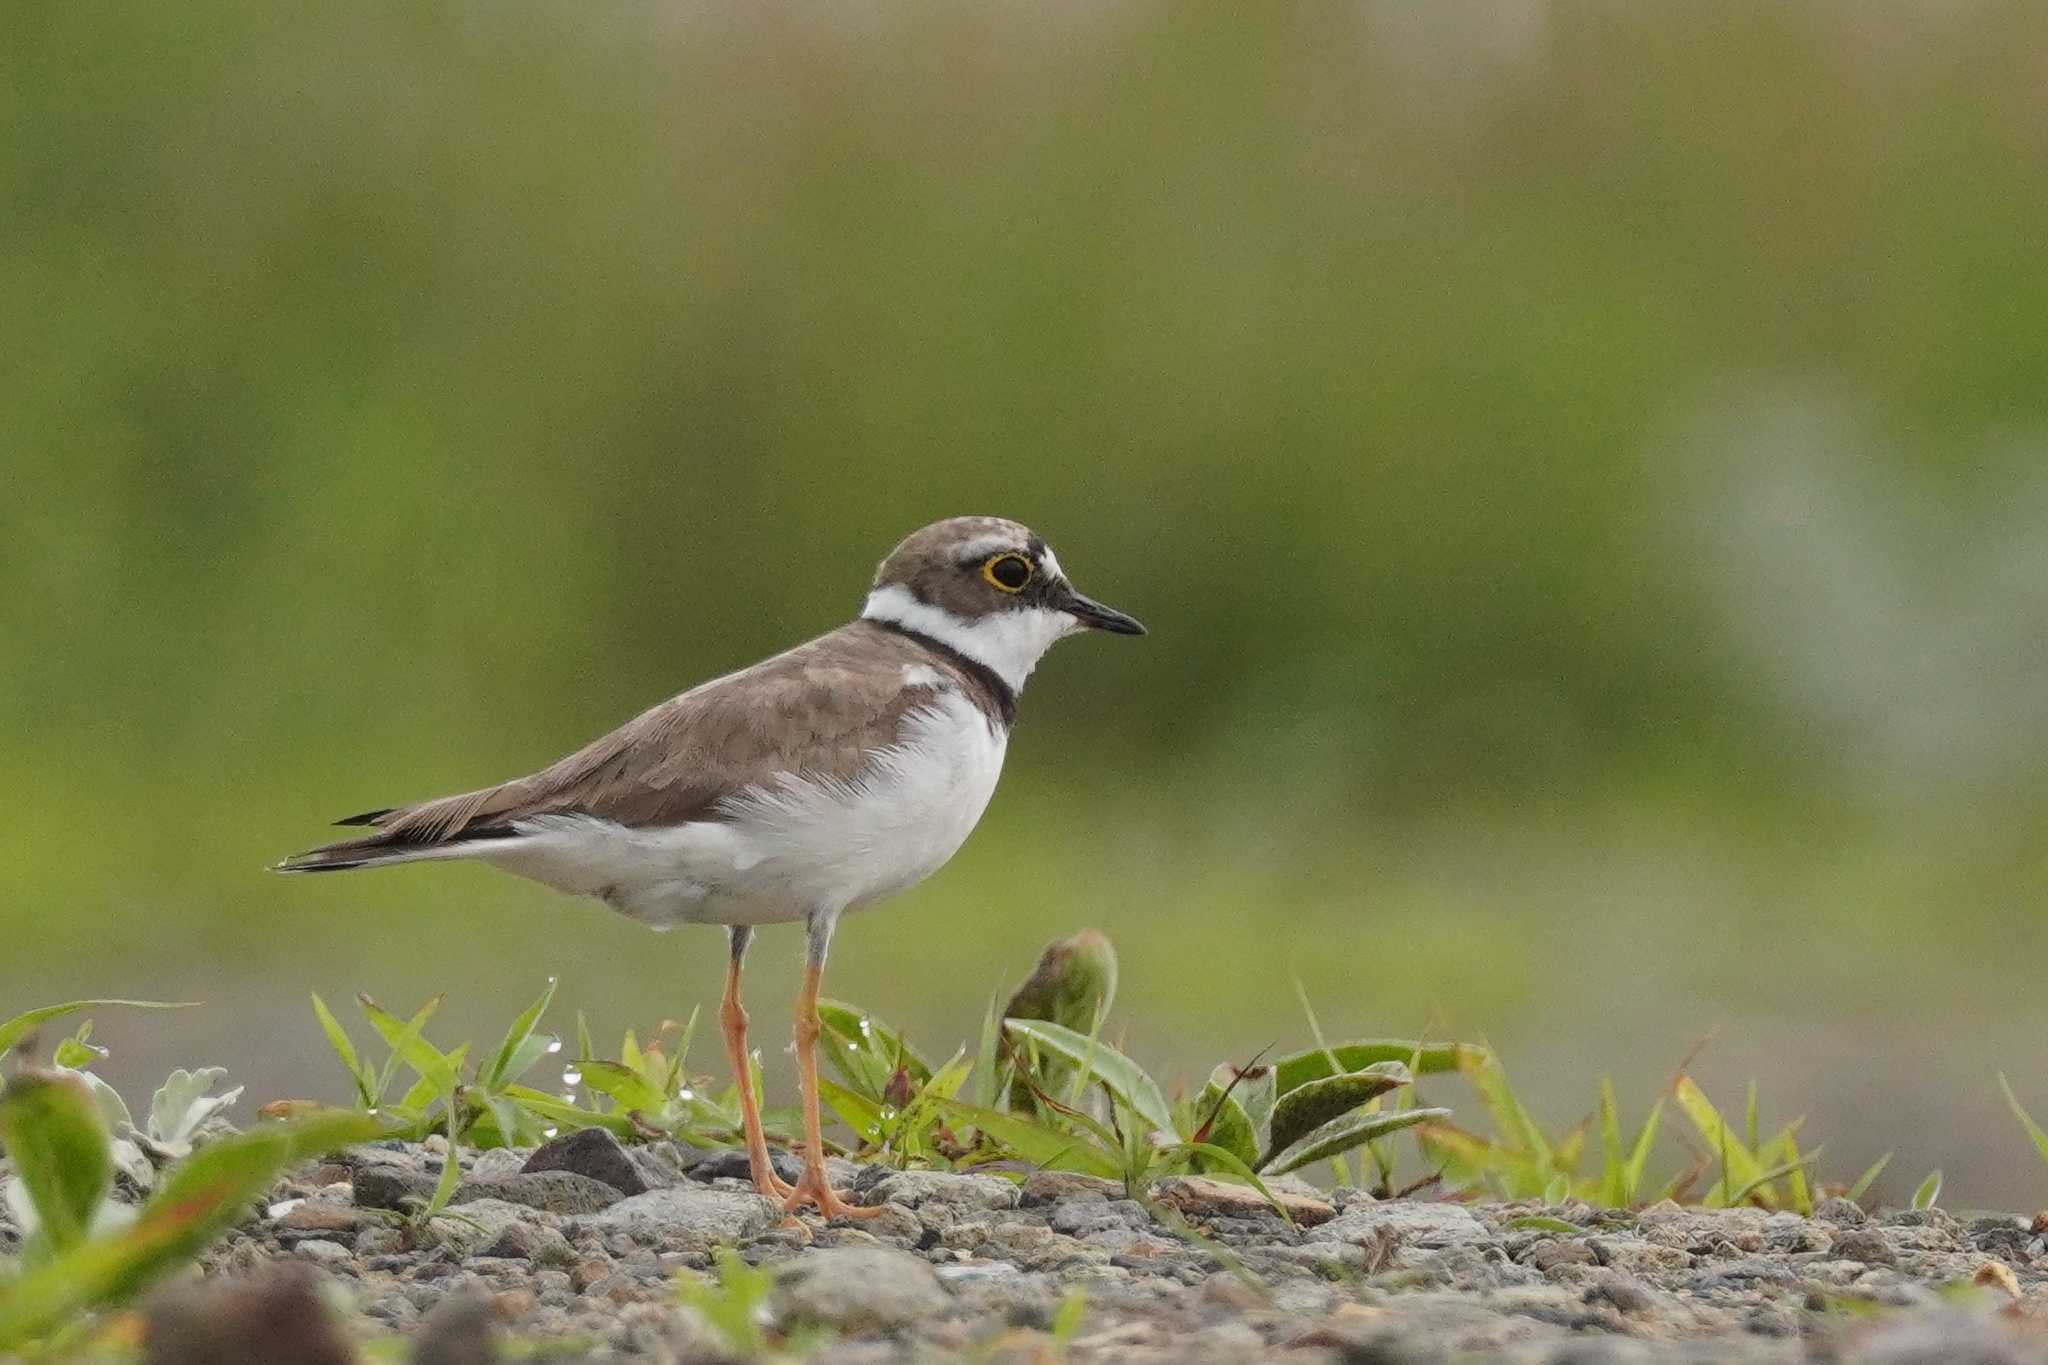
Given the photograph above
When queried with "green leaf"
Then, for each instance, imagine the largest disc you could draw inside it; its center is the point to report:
(407, 1045)
(1124, 1077)
(1540, 1223)
(912, 1124)
(1309, 1106)
(20, 1026)
(1424, 1059)
(1219, 1110)
(1929, 1191)
(1342, 1134)
(198, 1199)
(865, 1051)
(75, 1053)
(857, 1112)
(563, 1114)
(501, 1069)
(52, 1130)
(1037, 1143)
(2034, 1133)
(625, 1085)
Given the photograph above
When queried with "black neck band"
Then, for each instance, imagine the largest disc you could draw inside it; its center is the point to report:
(1005, 696)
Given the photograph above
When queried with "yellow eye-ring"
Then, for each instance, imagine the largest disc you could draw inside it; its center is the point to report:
(1008, 572)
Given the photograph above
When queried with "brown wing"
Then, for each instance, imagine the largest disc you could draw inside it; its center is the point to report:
(818, 709)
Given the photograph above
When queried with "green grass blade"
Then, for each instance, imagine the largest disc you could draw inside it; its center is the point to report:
(1738, 1165)
(337, 1038)
(1614, 1190)
(451, 1169)
(2034, 1133)
(515, 1039)
(623, 1084)
(406, 1044)
(561, 1113)
(1868, 1178)
(21, 1025)
(1037, 1143)
(1639, 1154)
(1778, 1172)
(1510, 1116)
(1929, 1191)
(987, 1064)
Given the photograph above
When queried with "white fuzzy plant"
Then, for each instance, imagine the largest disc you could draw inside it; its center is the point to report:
(178, 1110)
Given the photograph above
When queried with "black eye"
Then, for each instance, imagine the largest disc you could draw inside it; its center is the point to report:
(1008, 572)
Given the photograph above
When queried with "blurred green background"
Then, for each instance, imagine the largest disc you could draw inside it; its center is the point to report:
(1582, 465)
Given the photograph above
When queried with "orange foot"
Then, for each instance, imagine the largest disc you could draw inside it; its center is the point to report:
(773, 1186)
(812, 1188)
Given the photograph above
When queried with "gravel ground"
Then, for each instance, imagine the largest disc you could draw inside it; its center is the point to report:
(575, 1251)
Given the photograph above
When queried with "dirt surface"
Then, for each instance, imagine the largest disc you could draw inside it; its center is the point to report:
(577, 1252)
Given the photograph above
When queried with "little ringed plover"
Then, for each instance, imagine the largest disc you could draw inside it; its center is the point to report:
(814, 783)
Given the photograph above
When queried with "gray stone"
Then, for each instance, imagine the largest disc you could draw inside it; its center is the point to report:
(496, 1163)
(1842, 1212)
(732, 1164)
(324, 1252)
(461, 1330)
(393, 1187)
(591, 1152)
(1624, 1293)
(1417, 1224)
(1052, 1187)
(562, 1192)
(1866, 1245)
(857, 1289)
(917, 1189)
(1079, 1217)
(689, 1215)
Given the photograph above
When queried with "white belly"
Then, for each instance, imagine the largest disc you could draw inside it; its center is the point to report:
(791, 847)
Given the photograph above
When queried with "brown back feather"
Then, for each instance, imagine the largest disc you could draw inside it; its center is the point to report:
(820, 710)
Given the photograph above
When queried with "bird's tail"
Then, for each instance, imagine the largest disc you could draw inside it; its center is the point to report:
(400, 844)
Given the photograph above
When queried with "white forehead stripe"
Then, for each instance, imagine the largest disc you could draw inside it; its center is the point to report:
(1049, 564)
(1007, 643)
(990, 544)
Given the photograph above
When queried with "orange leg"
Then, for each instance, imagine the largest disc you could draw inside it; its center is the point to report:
(812, 1187)
(732, 1018)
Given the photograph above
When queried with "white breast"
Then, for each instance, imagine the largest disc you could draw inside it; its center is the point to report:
(792, 846)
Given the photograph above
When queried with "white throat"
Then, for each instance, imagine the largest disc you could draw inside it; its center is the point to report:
(1007, 643)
